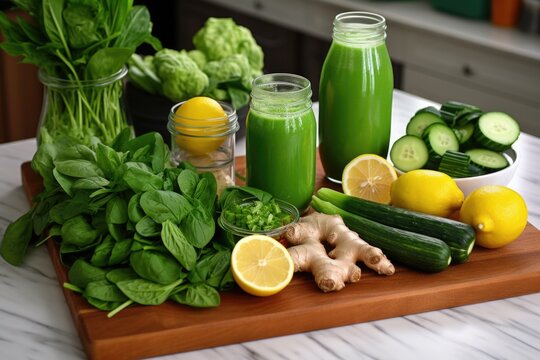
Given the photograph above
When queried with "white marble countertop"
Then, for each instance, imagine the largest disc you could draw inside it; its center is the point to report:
(35, 322)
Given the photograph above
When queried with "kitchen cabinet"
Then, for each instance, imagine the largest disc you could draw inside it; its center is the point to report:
(438, 56)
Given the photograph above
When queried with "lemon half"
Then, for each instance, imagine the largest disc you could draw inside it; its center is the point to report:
(261, 266)
(369, 177)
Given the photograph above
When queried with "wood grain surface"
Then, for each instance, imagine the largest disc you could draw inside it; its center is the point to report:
(139, 331)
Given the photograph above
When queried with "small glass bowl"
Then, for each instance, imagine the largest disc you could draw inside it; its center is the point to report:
(275, 233)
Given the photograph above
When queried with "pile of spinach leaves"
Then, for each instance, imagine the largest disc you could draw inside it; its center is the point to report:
(131, 228)
(80, 47)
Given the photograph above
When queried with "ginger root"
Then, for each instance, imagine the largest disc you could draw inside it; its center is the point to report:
(332, 271)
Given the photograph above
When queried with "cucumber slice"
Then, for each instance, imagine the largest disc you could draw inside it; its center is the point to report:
(451, 111)
(487, 159)
(439, 138)
(465, 132)
(496, 131)
(469, 117)
(409, 153)
(422, 119)
(455, 164)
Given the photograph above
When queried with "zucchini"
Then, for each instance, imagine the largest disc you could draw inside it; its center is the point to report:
(458, 236)
(496, 131)
(413, 250)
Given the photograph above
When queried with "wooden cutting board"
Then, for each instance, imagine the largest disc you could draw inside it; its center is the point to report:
(139, 332)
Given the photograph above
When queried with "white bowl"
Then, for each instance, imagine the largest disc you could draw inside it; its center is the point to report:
(501, 177)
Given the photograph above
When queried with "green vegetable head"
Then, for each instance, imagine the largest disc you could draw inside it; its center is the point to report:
(231, 68)
(220, 38)
(181, 77)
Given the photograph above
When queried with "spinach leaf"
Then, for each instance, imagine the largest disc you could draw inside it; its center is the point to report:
(121, 140)
(54, 23)
(76, 152)
(64, 181)
(139, 178)
(103, 305)
(135, 211)
(16, 239)
(138, 29)
(68, 209)
(198, 295)
(91, 183)
(177, 244)
(121, 274)
(234, 193)
(147, 227)
(206, 190)
(44, 202)
(165, 205)
(199, 226)
(211, 268)
(81, 23)
(155, 266)
(81, 273)
(120, 252)
(170, 176)
(108, 160)
(104, 290)
(117, 211)
(78, 168)
(187, 182)
(102, 252)
(108, 61)
(43, 163)
(146, 292)
(77, 231)
(158, 152)
(117, 231)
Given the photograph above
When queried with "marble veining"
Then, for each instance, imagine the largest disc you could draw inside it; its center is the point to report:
(35, 323)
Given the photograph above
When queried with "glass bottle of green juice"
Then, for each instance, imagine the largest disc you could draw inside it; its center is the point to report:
(355, 96)
(281, 134)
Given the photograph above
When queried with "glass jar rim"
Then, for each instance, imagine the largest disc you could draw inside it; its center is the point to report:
(219, 129)
(57, 82)
(341, 20)
(284, 205)
(265, 85)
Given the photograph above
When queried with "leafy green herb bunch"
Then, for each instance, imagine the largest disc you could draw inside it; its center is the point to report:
(81, 48)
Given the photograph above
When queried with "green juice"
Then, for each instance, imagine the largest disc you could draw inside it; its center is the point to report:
(280, 155)
(355, 104)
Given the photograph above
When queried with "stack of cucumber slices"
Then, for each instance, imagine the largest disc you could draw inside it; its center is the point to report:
(458, 139)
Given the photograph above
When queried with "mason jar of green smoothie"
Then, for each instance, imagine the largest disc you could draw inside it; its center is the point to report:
(355, 96)
(281, 138)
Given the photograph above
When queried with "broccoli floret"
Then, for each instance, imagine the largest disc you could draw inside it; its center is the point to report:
(230, 68)
(220, 38)
(218, 94)
(181, 77)
(199, 58)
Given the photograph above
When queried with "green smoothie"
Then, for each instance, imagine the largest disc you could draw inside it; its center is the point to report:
(280, 155)
(355, 104)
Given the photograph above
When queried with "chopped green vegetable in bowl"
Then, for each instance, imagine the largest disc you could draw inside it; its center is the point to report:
(252, 216)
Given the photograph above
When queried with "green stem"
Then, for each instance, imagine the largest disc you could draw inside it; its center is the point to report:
(119, 308)
(72, 287)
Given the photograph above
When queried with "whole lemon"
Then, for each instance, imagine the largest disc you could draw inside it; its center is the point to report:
(427, 191)
(497, 213)
(198, 121)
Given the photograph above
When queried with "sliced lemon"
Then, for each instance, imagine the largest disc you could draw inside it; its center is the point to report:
(369, 177)
(261, 266)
